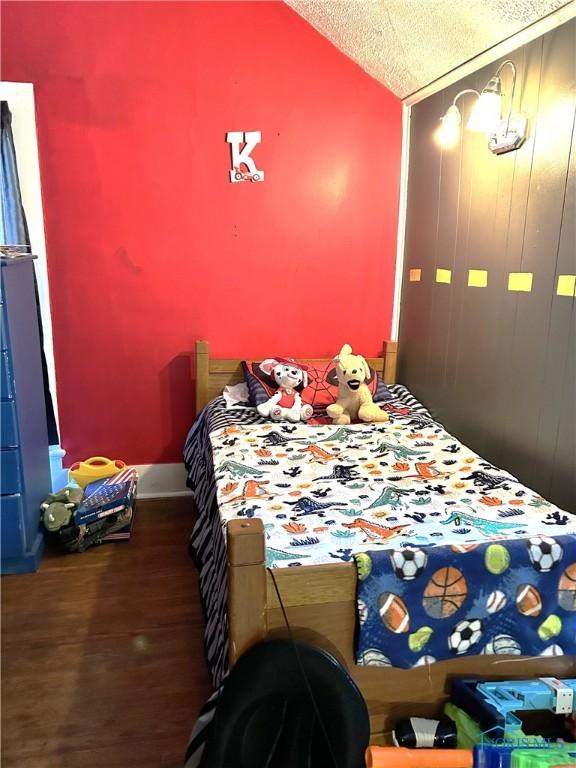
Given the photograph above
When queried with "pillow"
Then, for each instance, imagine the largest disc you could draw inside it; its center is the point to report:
(322, 386)
(236, 395)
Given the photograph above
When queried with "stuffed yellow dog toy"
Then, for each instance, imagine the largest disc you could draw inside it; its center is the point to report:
(354, 397)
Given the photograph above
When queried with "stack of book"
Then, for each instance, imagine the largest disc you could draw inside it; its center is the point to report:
(107, 510)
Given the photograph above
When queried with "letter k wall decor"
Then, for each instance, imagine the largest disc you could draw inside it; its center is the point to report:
(241, 156)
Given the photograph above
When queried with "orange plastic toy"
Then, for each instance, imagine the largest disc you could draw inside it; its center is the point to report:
(402, 757)
(96, 468)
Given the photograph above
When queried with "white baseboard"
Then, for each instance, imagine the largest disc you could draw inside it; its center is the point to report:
(160, 480)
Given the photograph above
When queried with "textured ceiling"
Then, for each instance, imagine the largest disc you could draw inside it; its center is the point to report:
(406, 44)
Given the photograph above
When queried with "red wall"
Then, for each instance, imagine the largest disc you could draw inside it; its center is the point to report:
(151, 247)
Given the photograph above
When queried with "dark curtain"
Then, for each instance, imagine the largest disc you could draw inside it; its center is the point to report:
(14, 231)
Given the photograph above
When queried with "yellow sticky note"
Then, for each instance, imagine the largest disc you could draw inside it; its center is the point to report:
(443, 275)
(477, 278)
(566, 285)
(415, 275)
(520, 281)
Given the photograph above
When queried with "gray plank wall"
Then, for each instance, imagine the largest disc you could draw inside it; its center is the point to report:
(498, 367)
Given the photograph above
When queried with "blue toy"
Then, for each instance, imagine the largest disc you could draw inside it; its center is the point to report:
(493, 704)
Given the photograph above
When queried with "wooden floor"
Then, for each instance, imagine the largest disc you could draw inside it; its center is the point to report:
(102, 656)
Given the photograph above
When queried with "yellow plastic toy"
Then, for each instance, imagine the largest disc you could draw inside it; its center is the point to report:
(95, 468)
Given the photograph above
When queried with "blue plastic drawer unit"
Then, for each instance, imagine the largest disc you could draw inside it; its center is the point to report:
(10, 472)
(24, 454)
(6, 388)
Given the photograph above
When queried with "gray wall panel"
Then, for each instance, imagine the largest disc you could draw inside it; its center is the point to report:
(544, 212)
(420, 239)
(498, 367)
(503, 360)
(561, 331)
(438, 326)
(463, 360)
(564, 464)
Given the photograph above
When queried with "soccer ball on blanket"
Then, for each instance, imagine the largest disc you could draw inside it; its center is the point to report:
(545, 553)
(464, 635)
(408, 563)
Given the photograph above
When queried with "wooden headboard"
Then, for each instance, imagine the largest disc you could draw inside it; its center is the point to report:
(213, 374)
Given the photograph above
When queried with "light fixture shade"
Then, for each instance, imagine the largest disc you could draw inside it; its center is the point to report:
(504, 135)
(487, 111)
(448, 132)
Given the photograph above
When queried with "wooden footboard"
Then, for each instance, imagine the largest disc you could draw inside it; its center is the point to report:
(320, 603)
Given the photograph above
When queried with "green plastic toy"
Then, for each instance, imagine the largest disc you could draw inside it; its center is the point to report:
(58, 508)
(543, 758)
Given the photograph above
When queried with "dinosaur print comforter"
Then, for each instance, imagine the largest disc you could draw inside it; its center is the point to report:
(378, 491)
(326, 493)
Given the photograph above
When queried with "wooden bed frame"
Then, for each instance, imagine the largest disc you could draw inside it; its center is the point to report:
(320, 600)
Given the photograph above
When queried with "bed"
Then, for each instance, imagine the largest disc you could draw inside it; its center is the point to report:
(241, 578)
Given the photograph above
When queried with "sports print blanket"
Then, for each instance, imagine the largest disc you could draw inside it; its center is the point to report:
(421, 605)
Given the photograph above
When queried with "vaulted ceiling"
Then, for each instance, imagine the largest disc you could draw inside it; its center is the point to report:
(406, 44)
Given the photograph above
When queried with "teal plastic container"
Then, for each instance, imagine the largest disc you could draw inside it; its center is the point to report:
(58, 475)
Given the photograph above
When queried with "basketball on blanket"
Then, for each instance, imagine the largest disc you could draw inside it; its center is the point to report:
(502, 645)
(545, 553)
(496, 601)
(393, 612)
(496, 559)
(464, 635)
(567, 589)
(528, 600)
(445, 593)
(408, 563)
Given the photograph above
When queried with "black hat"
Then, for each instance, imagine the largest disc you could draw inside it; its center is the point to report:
(288, 705)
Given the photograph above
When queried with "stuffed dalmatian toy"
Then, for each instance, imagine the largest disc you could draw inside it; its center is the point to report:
(285, 404)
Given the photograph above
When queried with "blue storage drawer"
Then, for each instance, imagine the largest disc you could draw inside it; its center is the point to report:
(3, 326)
(24, 456)
(6, 380)
(9, 426)
(11, 526)
(10, 472)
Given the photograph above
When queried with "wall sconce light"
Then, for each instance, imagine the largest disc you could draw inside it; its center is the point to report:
(504, 135)
(487, 112)
(448, 133)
